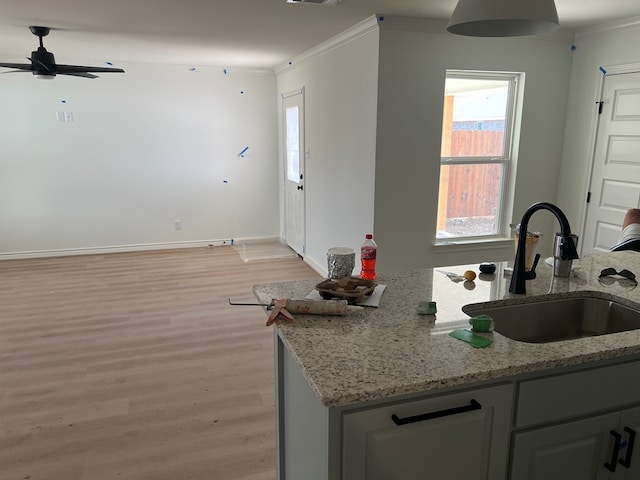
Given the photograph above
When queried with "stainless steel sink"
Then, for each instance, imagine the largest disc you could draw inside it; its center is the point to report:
(551, 320)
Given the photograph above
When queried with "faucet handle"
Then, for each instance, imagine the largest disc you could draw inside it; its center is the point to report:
(531, 274)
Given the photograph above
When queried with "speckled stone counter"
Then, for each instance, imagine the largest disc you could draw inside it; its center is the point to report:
(378, 353)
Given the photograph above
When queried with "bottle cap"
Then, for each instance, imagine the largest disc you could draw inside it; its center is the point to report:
(368, 236)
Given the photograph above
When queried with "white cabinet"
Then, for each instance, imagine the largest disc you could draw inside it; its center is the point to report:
(545, 426)
(568, 451)
(462, 435)
(629, 456)
(600, 447)
(572, 438)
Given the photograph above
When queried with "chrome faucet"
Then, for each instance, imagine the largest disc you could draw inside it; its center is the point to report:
(568, 252)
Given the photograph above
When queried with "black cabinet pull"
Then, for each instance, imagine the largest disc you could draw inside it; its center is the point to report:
(473, 405)
(611, 466)
(626, 463)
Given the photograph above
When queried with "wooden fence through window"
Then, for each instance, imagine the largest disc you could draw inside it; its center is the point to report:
(472, 190)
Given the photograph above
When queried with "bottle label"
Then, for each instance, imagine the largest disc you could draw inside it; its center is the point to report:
(368, 253)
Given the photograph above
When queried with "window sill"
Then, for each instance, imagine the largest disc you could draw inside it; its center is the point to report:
(460, 245)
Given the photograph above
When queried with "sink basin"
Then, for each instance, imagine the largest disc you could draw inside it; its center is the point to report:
(552, 320)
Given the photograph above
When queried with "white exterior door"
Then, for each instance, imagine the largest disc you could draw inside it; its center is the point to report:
(615, 179)
(294, 195)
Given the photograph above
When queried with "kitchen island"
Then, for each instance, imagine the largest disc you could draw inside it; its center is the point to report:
(334, 374)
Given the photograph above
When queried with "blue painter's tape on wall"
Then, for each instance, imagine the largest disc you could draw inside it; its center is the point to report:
(244, 151)
(604, 72)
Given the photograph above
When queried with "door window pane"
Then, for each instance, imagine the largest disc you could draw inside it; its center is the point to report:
(293, 144)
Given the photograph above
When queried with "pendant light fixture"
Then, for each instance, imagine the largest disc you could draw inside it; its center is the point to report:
(503, 18)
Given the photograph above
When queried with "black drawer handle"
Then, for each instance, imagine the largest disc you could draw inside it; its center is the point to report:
(611, 466)
(473, 405)
(626, 463)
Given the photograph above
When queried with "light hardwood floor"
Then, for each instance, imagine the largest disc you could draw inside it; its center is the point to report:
(133, 366)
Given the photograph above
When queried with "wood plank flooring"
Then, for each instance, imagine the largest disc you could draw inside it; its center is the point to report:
(133, 366)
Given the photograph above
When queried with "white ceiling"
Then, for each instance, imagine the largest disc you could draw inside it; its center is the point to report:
(230, 33)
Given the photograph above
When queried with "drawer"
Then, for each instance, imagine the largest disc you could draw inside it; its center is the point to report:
(574, 394)
(425, 438)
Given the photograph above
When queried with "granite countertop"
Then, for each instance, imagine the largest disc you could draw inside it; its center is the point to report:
(377, 353)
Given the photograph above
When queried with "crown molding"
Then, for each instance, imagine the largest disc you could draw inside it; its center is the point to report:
(631, 23)
(366, 26)
(392, 22)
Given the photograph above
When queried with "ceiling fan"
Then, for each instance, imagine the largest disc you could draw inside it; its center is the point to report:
(43, 63)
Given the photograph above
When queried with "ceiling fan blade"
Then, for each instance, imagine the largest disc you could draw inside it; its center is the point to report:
(43, 63)
(78, 74)
(48, 69)
(65, 69)
(19, 66)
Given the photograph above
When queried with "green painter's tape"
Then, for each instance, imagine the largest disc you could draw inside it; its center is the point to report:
(471, 338)
(427, 308)
(481, 323)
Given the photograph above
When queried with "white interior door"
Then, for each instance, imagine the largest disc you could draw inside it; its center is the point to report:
(615, 179)
(294, 195)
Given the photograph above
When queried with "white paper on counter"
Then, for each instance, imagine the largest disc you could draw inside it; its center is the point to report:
(372, 300)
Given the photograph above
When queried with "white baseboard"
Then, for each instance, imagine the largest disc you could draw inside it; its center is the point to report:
(115, 249)
(320, 270)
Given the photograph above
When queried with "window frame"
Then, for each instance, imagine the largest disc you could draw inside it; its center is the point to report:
(508, 158)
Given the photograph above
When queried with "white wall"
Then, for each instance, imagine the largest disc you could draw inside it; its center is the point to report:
(147, 147)
(414, 56)
(607, 45)
(340, 84)
(156, 144)
(399, 70)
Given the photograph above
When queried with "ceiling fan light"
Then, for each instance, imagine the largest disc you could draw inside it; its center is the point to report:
(44, 76)
(503, 18)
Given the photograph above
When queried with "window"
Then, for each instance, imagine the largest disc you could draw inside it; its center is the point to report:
(476, 163)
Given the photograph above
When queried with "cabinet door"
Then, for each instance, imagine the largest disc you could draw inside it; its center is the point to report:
(459, 436)
(629, 459)
(435, 447)
(574, 450)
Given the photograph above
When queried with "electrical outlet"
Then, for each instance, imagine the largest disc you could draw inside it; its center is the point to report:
(177, 224)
